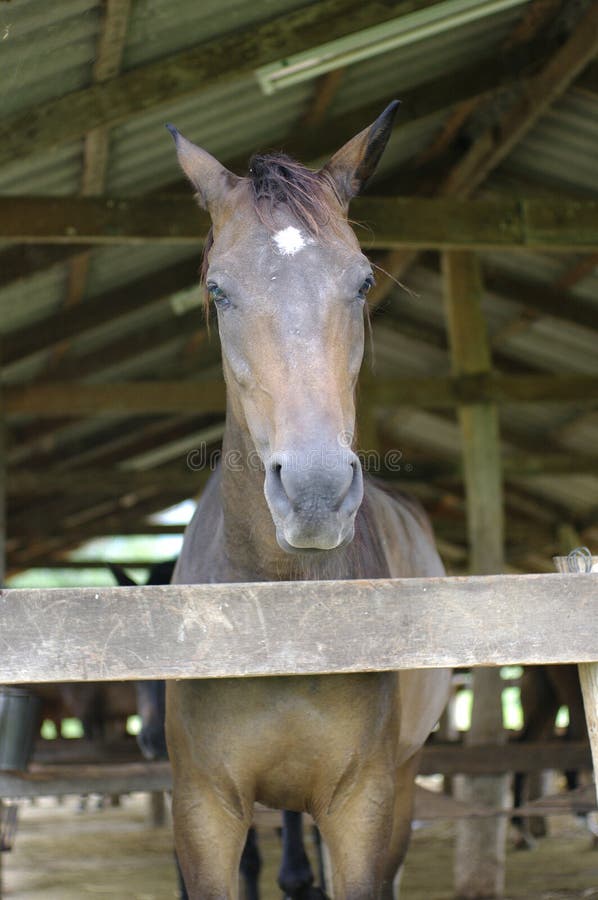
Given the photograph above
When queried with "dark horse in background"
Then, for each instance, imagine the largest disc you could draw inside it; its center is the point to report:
(289, 282)
(544, 689)
(295, 876)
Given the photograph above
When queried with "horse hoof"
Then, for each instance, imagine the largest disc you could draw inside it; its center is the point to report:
(524, 842)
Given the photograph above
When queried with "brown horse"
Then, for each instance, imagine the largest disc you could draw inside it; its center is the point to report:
(289, 282)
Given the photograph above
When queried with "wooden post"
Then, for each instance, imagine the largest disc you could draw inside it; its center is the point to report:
(588, 672)
(2, 538)
(480, 846)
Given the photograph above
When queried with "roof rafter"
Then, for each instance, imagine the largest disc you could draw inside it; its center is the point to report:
(206, 397)
(412, 222)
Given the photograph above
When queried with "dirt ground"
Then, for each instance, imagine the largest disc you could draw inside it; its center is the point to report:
(63, 854)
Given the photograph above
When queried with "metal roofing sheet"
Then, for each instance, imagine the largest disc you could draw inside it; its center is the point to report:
(47, 49)
(561, 149)
(158, 28)
(422, 61)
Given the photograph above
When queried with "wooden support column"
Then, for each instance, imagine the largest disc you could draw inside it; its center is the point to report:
(588, 671)
(2, 540)
(480, 846)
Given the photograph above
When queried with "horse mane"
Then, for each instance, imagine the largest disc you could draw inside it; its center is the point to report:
(277, 181)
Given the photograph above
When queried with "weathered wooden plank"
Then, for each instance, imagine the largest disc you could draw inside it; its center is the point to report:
(393, 222)
(104, 220)
(107, 777)
(139, 398)
(106, 65)
(448, 758)
(207, 396)
(575, 222)
(212, 631)
(493, 759)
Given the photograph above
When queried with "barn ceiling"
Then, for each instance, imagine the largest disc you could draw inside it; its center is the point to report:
(108, 373)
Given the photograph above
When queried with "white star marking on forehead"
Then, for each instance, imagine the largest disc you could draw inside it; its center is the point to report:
(290, 240)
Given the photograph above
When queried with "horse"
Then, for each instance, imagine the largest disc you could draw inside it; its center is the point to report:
(544, 689)
(285, 272)
(295, 876)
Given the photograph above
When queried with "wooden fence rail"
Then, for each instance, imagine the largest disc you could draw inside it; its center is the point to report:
(283, 628)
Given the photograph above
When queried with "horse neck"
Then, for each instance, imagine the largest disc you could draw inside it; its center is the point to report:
(249, 534)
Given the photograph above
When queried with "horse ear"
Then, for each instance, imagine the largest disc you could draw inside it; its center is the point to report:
(210, 178)
(353, 165)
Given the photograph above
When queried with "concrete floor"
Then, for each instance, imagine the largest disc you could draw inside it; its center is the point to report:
(62, 854)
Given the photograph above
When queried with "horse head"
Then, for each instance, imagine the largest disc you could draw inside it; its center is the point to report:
(289, 283)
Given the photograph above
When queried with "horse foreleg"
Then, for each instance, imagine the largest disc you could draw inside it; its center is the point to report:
(357, 835)
(401, 828)
(209, 840)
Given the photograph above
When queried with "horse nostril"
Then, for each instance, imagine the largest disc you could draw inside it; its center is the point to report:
(276, 470)
(276, 490)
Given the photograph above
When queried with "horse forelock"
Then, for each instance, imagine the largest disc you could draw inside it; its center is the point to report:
(279, 182)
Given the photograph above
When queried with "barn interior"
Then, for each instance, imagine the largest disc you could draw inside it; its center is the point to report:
(111, 394)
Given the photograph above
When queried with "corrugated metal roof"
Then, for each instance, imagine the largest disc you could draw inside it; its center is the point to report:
(560, 150)
(47, 50)
(157, 29)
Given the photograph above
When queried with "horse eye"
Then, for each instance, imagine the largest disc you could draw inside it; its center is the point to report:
(217, 295)
(365, 287)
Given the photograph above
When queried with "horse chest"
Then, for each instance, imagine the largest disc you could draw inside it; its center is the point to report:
(286, 739)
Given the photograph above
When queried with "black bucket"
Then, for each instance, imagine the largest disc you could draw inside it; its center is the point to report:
(19, 722)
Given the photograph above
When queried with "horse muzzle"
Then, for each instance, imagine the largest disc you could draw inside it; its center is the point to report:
(314, 502)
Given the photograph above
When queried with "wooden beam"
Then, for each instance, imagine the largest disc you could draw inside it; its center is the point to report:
(514, 756)
(212, 630)
(223, 59)
(448, 392)
(76, 565)
(109, 52)
(208, 396)
(449, 758)
(98, 481)
(119, 399)
(86, 778)
(480, 852)
(395, 222)
(120, 777)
